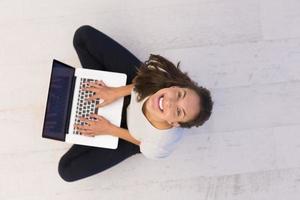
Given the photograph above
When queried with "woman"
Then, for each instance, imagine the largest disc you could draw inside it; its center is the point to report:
(160, 101)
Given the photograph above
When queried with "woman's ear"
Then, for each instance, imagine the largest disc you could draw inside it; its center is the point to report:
(175, 124)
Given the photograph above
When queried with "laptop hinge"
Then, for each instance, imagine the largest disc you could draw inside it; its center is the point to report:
(70, 103)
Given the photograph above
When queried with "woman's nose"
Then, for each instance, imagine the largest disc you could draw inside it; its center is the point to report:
(170, 103)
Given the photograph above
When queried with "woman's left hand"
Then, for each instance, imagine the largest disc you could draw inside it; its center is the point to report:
(99, 126)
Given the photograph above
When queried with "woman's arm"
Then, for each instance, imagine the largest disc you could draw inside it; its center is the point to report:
(124, 90)
(102, 126)
(124, 134)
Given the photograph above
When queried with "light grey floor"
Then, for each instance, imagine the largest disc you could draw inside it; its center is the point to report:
(247, 52)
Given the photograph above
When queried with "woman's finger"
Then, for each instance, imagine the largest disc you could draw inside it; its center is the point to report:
(86, 133)
(94, 97)
(94, 85)
(82, 128)
(100, 82)
(96, 116)
(85, 119)
(101, 103)
(91, 89)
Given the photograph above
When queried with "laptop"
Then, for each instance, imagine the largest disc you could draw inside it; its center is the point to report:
(66, 104)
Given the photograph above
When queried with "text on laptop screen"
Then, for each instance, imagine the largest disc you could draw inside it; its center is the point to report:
(58, 101)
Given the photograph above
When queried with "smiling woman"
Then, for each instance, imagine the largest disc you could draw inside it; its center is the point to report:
(171, 106)
(160, 101)
(186, 103)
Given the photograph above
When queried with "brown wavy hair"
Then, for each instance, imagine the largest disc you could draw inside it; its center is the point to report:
(157, 73)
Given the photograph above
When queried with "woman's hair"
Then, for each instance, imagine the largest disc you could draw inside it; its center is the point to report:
(158, 73)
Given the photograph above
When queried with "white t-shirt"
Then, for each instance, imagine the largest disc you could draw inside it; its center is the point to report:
(155, 143)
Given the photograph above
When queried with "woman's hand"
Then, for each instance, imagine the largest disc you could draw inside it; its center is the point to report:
(102, 91)
(98, 126)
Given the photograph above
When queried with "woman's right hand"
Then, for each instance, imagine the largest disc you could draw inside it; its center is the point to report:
(102, 91)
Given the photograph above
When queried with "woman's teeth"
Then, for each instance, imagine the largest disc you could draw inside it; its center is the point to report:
(161, 104)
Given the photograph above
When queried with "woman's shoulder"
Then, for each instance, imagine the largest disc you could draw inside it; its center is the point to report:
(161, 145)
(166, 137)
(174, 134)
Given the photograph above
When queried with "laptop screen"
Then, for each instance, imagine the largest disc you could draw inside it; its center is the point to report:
(59, 100)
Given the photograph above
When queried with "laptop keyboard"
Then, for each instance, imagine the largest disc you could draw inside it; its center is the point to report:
(84, 107)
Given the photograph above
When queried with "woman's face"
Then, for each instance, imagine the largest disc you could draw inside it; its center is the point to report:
(172, 105)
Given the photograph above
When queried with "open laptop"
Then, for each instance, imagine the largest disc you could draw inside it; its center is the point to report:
(66, 104)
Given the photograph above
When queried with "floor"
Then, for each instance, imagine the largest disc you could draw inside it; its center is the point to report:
(246, 52)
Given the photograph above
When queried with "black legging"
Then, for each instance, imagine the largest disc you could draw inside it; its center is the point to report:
(98, 51)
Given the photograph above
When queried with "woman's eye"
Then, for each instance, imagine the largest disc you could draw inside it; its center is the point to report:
(179, 95)
(178, 111)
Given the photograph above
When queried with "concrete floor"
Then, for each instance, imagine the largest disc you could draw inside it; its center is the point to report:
(246, 52)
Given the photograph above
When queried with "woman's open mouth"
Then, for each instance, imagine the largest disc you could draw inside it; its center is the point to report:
(160, 103)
